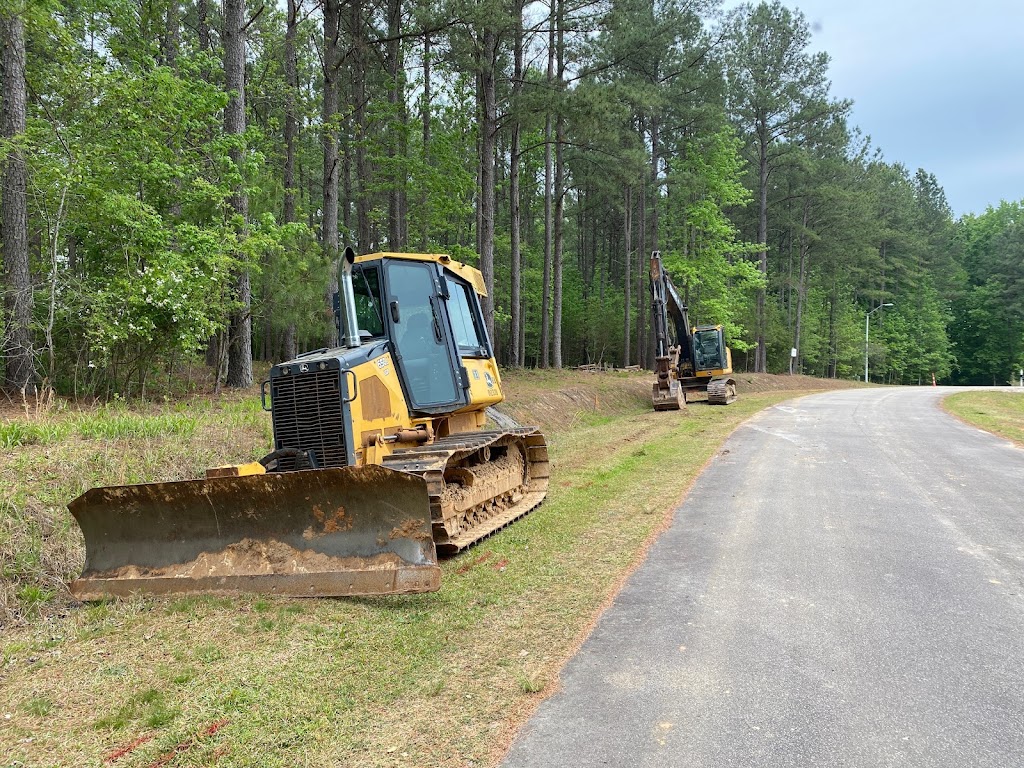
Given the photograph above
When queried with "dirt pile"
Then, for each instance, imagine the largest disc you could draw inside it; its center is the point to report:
(555, 400)
(774, 382)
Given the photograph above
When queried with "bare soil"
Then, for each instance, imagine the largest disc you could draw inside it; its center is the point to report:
(252, 557)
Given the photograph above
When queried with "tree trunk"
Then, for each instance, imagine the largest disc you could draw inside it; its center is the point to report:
(556, 329)
(425, 116)
(801, 289)
(513, 184)
(288, 347)
(363, 232)
(291, 132)
(240, 328)
(172, 40)
(833, 342)
(203, 30)
(396, 98)
(329, 232)
(761, 356)
(171, 44)
(545, 305)
(291, 129)
(16, 343)
(556, 322)
(627, 227)
(642, 252)
(646, 354)
(213, 356)
(488, 130)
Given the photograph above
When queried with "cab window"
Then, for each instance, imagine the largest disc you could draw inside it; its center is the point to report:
(366, 282)
(708, 349)
(469, 335)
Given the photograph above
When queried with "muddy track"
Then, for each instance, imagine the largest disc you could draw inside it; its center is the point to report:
(478, 482)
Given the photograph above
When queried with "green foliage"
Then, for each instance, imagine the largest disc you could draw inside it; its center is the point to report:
(711, 264)
(915, 335)
(666, 119)
(988, 332)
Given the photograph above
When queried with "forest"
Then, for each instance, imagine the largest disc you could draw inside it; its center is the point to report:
(179, 176)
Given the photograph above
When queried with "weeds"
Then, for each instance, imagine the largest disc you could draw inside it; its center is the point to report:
(149, 708)
(39, 706)
(105, 424)
(529, 684)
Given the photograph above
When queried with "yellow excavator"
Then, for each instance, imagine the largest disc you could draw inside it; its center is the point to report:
(382, 459)
(688, 359)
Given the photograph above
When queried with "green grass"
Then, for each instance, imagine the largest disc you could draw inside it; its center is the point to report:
(99, 425)
(148, 708)
(39, 706)
(1001, 413)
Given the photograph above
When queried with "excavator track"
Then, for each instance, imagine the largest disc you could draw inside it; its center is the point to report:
(478, 482)
(722, 390)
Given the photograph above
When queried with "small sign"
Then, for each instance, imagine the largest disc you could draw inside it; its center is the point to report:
(792, 352)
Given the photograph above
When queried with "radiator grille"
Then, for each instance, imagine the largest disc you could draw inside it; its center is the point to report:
(307, 414)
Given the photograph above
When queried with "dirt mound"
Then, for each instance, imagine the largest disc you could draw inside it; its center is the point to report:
(774, 382)
(554, 400)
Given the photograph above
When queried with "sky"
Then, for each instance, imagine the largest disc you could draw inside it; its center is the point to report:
(937, 85)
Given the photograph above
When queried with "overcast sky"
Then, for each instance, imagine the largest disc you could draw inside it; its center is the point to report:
(937, 85)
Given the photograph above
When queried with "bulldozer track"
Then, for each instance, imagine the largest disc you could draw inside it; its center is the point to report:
(478, 482)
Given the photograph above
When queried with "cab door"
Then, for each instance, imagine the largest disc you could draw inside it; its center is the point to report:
(421, 336)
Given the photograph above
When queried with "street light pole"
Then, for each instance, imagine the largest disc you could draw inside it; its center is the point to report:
(867, 319)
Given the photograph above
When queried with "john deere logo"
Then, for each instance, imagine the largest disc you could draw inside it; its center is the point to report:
(304, 368)
(488, 379)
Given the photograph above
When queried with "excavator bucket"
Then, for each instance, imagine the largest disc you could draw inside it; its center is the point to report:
(321, 532)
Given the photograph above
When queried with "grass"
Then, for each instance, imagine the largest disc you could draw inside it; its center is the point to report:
(999, 412)
(430, 680)
(52, 457)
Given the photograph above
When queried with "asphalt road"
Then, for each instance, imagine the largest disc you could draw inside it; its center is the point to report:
(843, 586)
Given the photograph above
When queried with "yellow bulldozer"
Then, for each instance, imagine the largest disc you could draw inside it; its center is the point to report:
(382, 458)
(688, 359)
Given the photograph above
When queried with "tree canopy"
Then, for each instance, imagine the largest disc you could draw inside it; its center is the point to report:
(180, 176)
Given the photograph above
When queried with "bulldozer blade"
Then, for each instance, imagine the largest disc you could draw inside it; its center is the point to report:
(314, 533)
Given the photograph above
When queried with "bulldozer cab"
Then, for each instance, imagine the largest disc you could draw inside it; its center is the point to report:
(431, 320)
(322, 514)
